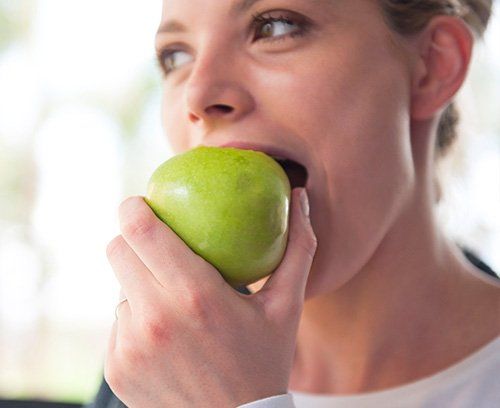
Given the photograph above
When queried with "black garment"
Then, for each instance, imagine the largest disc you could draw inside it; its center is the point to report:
(472, 257)
(36, 404)
(106, 399)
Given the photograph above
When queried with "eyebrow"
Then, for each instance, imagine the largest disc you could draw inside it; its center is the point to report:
(242, 5)
(174, 26)
(171, 26)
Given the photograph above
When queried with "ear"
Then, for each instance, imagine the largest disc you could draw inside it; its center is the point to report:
(444, 48)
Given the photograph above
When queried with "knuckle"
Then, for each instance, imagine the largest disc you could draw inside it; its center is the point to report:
(195, 305)
(157, 331)
(137, 225)
(115, 247)
(312, 245)
(307, 245)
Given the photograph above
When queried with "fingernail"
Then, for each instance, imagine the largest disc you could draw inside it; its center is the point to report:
(304, 202)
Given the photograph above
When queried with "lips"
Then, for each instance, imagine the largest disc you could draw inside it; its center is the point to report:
(296, 171)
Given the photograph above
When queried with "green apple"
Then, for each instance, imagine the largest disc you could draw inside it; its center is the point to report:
(230, 206)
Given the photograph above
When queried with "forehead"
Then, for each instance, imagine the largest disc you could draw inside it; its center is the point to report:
(235, 7)
(192, 11)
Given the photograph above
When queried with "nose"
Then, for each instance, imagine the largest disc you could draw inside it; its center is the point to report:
(216, 94)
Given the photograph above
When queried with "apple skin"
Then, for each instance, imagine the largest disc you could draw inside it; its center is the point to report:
(230, 206)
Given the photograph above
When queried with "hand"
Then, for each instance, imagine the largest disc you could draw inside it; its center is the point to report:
(185, 338)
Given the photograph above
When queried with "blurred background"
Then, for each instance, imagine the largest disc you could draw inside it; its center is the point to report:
(80, 131)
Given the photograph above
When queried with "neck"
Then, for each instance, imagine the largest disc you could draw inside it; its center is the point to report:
(406, 305)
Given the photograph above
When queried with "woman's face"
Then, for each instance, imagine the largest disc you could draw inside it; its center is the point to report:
(323, 83)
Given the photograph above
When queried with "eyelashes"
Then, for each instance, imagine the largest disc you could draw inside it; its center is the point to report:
(168, 56)
(262, 21)
(166, 59)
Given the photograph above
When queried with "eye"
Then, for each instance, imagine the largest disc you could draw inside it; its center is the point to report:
(171, 59)
(270, 28)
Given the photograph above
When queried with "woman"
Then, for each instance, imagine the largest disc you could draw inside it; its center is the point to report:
(372, 305)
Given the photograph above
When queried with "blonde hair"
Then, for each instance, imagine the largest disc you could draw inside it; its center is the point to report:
(408, 17)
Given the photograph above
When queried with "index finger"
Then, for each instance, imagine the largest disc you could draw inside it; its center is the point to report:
(158, 246)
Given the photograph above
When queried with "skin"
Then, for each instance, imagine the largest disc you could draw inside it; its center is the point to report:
(389, 299)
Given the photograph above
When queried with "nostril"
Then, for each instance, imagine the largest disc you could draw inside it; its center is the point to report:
(215, 109)
(193, 118)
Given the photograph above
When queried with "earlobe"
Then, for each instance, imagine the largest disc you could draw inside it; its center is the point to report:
(445, 48)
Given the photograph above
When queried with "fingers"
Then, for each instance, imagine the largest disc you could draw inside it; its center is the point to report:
(137, 283)
(162, 251)
(285, 288)
(117, 343)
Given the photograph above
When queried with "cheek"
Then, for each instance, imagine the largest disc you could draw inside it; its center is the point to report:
(333, 96)
(369, 124)
(352, 111)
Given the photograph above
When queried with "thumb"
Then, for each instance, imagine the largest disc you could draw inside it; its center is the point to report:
(285, 288)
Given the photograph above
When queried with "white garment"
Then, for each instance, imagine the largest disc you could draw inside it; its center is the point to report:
(473, 382)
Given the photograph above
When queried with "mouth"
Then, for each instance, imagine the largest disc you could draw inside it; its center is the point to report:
(296, 172)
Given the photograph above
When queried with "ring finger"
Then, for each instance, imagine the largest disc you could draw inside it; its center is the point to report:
(123, 315)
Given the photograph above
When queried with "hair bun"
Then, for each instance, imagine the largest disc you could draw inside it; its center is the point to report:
(478, 13)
